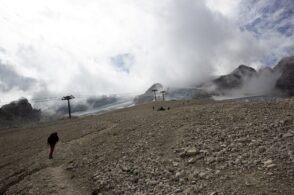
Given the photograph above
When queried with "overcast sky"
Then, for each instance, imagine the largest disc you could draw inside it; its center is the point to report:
(49, 48)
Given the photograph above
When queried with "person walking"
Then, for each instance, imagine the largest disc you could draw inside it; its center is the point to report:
(52, 140)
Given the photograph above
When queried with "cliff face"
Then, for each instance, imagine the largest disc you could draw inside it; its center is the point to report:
(235, 79)
(20, 109)
(247, 81)
(286, 81)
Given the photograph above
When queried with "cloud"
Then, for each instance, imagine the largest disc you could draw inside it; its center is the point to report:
(272, 22)
(108, 46)
(203, 43)
(10, 79)
(123, 62)
(13, 85)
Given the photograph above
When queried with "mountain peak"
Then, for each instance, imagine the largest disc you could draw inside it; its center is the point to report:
(284, 63)
(286, 81)
(157, 86)
(244, 70)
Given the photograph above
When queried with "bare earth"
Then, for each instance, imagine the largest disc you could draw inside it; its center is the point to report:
(196, 147)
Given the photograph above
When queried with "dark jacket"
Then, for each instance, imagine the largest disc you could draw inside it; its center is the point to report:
(53, 139)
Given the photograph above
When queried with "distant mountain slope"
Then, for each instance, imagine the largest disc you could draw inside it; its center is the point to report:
(235, 79)
(20, 109)
(170, 94)
(148, 96)
(18, 113)
(91, 103)
(246, 81)
(286, 81)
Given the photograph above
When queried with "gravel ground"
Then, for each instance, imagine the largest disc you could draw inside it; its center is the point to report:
(196, 147)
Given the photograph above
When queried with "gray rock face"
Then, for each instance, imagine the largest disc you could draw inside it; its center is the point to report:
(20, 109)
(286, 81)
(266, 81)
(235, 79)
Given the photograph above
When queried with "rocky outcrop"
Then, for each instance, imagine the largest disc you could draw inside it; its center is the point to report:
(235, 79)
(246, 81)
(20, 109)
(286, 81)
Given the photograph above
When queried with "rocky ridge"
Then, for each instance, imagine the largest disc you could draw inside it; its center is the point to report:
(244, 81)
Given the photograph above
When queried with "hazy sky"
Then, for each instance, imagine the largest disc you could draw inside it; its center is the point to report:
(60, 47)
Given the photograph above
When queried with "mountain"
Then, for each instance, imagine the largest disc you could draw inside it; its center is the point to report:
(244, 81)
(148, 96)
(286, 81)
(235, 79)
(156, 86)
(95, 105)
(20, 109)
(187, 94)
(171, 94)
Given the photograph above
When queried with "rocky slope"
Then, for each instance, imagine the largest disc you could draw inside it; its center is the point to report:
(235, 79)
(286, 80)
(196, 147)
(19, 111)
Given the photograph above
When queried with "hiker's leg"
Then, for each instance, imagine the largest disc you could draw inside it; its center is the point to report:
(51, 151)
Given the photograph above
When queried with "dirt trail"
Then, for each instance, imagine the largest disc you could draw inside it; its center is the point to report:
(60, 181)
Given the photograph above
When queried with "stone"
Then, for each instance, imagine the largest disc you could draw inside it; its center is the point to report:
(261, 149)
(210, 160)
(271, 166)
(175, 164)
(202, 174)
(286, 135)
(191, 152)
(205, 152)
(179, 174)
(70, 167)
(178, 190)
(270, 173)
(267, 162)
(125, 169)
(191, 160)
(182, 154)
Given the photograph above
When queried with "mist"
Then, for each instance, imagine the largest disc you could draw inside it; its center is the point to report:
(116, 47)
(56, 108)
(262, 84)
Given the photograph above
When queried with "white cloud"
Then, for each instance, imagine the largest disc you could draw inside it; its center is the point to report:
(228, 8)
(69, 44)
